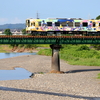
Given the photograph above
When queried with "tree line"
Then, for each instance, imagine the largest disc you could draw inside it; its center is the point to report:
(8, 32)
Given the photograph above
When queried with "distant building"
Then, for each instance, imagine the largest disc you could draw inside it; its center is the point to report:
(16, 32)
(1, 32)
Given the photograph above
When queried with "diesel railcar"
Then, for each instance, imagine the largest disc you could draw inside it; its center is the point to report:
(62, 26)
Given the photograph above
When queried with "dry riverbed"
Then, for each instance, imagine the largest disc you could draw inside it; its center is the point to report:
(77, 83)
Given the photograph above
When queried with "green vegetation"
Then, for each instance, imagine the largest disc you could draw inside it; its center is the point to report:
(41, 72)
(43, 45)
(5, 48)
(22, 47)
(46, 52)
(9, 47)
(77, 55)
(7, 32)
(98, 76)
(24, 31)
(98, 17)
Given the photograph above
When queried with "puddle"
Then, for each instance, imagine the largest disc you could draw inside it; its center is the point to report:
(16, 74)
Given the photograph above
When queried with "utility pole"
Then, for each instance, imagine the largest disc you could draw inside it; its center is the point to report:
(37, 15)
(89, 16)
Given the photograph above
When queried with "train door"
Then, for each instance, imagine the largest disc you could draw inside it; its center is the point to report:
(94, 26)
(98, 26)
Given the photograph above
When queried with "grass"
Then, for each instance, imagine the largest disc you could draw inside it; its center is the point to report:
(72, 54)
(43, 45)
(41, 72)
(98, 76)
(77, 55)
(85, 62)
(46, 52)
(5, 48)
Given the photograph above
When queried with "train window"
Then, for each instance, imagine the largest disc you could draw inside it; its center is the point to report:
(70, 24)
(28, 23)
(63, 24)
(94, 24)
(39, 23)
(57, 24)
(49, 23)
(85, 24)
(77, 24)
(33, 24)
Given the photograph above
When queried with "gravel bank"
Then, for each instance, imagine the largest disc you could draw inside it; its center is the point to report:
(78, 82)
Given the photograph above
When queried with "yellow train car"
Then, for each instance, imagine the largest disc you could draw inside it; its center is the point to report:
(95, 25)
(62, 25)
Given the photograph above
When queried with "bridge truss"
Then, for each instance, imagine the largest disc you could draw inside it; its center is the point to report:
(49, 39)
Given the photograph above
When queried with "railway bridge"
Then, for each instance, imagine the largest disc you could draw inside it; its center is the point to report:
(54, 41)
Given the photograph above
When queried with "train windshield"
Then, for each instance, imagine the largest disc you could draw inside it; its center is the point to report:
(28, 23)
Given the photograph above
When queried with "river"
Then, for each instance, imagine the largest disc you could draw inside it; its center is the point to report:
(17, 73)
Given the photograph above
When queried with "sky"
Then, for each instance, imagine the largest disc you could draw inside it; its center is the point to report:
(17, 11)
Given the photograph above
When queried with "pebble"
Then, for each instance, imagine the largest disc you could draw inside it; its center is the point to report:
(80, 85)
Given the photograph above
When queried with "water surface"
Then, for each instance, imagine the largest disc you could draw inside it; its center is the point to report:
(9, 55)
(18, 73)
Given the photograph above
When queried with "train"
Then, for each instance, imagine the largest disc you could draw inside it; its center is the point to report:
(63, 26)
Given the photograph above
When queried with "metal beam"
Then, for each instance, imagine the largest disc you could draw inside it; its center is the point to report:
(49, 39)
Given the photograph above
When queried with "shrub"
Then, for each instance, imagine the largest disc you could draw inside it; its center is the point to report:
(83, 47)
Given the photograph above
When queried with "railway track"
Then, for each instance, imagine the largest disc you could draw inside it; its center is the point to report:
(18, 36)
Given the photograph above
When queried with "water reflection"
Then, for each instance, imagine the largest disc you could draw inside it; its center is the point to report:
(18, 73)
(8, 55)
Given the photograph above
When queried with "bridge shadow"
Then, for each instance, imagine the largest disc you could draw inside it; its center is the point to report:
(48, 93)
(82, 70)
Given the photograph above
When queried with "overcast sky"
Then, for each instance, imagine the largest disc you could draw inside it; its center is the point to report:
(17, 11)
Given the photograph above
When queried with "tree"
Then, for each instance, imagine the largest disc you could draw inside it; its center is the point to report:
(98, 17)
(7, 32)
(23, 31)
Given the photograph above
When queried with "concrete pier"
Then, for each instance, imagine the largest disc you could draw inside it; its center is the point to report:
(55, 62)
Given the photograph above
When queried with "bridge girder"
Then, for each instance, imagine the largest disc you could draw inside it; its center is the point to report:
(49, 39)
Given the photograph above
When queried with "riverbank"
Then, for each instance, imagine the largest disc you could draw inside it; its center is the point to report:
(9, 49)
(77, 83)
(77, 55)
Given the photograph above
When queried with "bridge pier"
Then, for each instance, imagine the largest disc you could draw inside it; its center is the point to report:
(55, 62)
